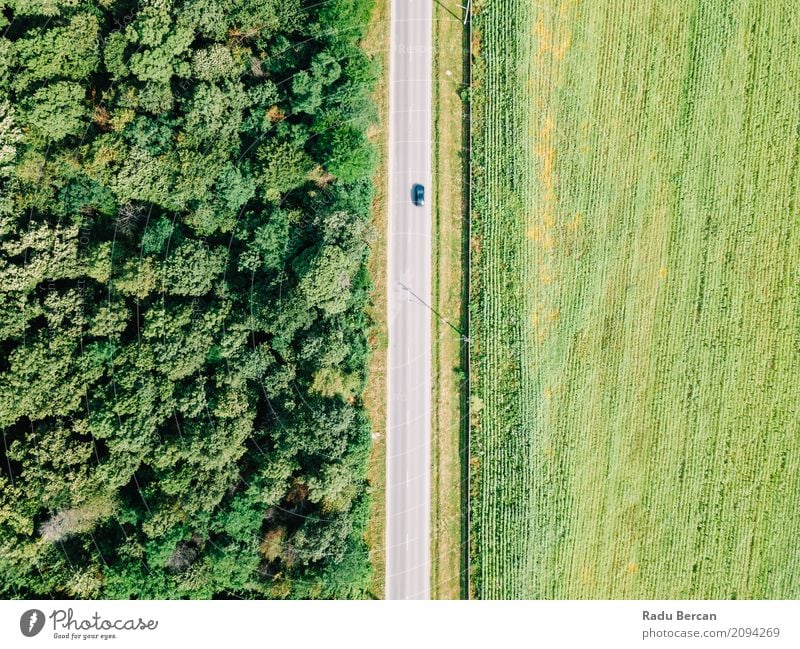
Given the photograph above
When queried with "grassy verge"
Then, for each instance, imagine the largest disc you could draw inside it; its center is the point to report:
(376, 44)
(447, 556)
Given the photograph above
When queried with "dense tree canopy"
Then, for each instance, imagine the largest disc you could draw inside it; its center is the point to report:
(184, 199)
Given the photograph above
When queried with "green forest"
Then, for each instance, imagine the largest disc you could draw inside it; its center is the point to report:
(185, 194)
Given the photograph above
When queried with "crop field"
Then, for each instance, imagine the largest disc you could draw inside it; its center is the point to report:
(635, 299)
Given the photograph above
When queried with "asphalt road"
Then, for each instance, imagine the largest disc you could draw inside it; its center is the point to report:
(408, 455)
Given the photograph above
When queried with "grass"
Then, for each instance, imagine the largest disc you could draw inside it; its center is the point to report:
(447, 557)
(375, 44)
(635, 300)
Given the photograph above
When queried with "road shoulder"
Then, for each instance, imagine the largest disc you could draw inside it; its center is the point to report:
(376, 45)
(448, 552)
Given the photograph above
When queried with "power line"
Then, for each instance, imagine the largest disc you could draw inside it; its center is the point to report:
(463, 336)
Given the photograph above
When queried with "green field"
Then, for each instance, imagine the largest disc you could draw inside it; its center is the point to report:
(636, 299)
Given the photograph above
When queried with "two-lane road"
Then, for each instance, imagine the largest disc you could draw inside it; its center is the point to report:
(408, 456)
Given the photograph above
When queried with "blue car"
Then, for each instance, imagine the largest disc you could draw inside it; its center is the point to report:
(418, 195)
